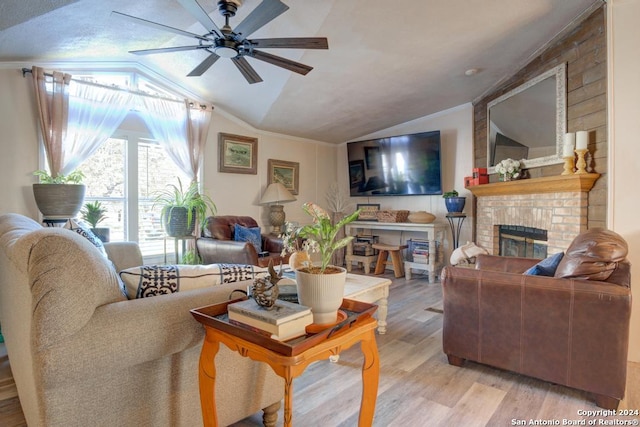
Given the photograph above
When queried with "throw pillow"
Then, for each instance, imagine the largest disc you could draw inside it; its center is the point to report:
(251, 235)
(151, 280)
(85, 232)
(546, 267)
(593, 255)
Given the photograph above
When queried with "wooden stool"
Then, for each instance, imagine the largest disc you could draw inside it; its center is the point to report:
(396, 258)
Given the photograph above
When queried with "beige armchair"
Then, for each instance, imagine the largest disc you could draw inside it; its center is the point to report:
(82, 354)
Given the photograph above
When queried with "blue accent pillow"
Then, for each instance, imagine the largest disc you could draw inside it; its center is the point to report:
(251, 235)
(546, 267)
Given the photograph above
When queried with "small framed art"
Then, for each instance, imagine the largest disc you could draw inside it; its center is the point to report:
(237, 154)
(286, 173)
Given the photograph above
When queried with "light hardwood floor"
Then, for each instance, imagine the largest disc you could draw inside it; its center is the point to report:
(417, 385)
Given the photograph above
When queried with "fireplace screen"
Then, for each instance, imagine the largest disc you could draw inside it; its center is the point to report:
(524, 242)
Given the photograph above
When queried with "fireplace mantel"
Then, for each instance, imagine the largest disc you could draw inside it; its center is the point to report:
(549, 184)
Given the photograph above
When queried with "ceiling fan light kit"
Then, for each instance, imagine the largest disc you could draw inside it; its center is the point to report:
(231, 43)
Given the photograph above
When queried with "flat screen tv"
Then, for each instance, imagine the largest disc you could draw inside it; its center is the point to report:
(402, 165)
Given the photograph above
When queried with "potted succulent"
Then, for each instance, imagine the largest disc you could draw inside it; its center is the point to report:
(182, 207)
(94, 213)
(454, 202)
(321, 287)
(59, 197)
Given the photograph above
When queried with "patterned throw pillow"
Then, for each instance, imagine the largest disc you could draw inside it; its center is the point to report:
(251, 235)
(86, 233)
(151, 280)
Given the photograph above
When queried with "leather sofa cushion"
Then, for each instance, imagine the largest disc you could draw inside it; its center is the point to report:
(593, 255)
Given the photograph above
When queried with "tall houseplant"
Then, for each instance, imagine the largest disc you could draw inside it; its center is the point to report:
(321, 287)
(59, 197)
(182, 207)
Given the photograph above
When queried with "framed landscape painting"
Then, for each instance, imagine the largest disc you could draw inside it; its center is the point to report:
(286, 173)
(237, 154)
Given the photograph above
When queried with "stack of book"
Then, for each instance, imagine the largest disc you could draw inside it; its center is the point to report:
(421, 255)
(285, 321)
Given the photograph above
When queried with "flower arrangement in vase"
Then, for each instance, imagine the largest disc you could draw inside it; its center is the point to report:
(509, 169)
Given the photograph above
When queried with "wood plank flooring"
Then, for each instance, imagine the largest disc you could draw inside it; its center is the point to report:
(417, 386)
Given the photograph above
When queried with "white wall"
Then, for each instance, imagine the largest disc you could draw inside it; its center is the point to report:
(624, 129)
(456, 133)
(18, 143)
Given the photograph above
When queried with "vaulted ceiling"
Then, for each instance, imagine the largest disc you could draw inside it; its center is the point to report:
(387, 63)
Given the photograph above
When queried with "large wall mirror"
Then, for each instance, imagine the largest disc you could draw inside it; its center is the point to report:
(529, 122)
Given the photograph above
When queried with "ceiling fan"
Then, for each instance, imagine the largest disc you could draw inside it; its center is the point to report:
(231, 43)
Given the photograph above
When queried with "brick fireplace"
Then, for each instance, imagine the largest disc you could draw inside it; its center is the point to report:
(557, 204)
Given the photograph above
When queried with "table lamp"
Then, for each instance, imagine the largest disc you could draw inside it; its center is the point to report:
(275, 195)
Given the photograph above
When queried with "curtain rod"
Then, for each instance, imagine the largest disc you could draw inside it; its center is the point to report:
(136, 92)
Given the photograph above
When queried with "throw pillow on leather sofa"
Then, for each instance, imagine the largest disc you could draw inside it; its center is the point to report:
(593, 255)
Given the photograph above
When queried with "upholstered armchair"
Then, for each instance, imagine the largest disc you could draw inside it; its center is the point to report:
(571, 328)
(234, 239)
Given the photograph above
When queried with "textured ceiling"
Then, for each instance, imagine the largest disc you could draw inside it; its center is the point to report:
(387, 63)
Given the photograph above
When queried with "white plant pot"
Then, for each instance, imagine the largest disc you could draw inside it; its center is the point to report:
(323, 293)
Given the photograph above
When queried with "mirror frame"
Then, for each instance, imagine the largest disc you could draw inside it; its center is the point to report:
(560, 73)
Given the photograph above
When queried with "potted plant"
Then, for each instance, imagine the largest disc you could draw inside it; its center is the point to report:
(181, 208)
(59, 197)
(94, 213)
(454, 202)
(321, 287)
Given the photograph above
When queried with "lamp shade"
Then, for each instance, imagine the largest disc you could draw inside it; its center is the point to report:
(276, 193)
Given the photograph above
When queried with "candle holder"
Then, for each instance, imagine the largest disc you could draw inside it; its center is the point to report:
(581, 166)
(569, 164)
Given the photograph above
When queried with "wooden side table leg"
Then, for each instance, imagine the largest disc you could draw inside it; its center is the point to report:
(207, 381)
(382, 315)
(370, 377)
(288, 399)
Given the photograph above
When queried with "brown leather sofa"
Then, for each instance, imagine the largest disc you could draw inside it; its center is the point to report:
(217, 244)
(571, 329)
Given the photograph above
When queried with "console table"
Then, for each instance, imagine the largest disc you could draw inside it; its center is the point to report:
(434, 231)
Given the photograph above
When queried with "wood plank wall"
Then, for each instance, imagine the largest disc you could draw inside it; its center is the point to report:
(585, 51)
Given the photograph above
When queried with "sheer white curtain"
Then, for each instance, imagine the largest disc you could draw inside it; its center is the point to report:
(199, 120)
(167, 121)
(180, 129)
(95, 112)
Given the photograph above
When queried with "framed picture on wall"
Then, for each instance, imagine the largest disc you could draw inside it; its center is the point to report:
(286, 173)
(237, 154)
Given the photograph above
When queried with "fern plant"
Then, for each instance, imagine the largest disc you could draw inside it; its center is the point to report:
(176, 196)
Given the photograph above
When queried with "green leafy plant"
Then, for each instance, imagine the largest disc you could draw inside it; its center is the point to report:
(191, 257)
(321, 235)
(175, 196)
(449, 194)
(93, 213)
(74, 177)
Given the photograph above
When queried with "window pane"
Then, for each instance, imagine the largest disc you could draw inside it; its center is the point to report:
(105, 181)
(155, 172)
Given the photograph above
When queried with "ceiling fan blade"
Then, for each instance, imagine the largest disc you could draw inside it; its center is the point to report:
(204, 65)
(165, 50)
(264, 13)
(194, 8)
(292, 43)
(246, 69)
(279, 61)
(156, 25)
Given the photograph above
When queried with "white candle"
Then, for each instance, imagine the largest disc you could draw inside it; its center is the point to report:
(581, 140)
(569, 144)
